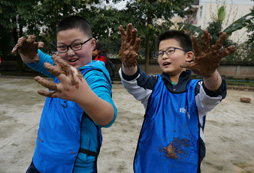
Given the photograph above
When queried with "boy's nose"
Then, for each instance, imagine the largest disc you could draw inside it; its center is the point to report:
(70, 52)
(165, 56)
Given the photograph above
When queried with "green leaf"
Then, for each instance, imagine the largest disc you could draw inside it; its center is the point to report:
(239, 24)
(221, 14)
(194, 29)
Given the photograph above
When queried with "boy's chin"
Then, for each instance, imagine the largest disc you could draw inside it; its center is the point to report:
(167, 70)
(173, 72)
(79, 64)
(76, 65)
(169, 73)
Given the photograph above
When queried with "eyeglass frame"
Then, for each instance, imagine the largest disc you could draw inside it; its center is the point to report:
(70, 46)
(165, 51)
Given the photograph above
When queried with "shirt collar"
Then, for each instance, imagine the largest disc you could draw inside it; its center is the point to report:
(183, 76)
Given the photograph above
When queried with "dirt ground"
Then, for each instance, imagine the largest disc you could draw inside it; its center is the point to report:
(229, 131)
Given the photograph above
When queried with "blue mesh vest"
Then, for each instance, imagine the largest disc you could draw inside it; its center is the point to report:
(168, 141)
(59, 136)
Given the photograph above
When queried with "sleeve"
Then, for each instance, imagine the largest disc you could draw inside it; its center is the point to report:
(140, 85)
(99, 84)
(206, 100)
(38, 66)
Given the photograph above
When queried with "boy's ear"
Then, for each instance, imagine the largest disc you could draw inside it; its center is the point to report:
(190, 56)
(93, 42)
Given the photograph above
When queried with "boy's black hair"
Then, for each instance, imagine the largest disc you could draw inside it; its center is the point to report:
(100, 49)
(183, 39)
(75, 22)
(98, 46)
(109, 65)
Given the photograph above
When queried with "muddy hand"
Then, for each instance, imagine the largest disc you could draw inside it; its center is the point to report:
(61, 68)
(207, 58)
(28, 47)
(128, 53)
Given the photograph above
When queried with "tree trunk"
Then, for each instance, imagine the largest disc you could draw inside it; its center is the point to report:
(147, 50)
(15, 38)
(147, 53)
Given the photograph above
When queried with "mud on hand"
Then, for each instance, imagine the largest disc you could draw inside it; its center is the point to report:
(128, 52)
(61, 67)
(28, 47)
(207, 58)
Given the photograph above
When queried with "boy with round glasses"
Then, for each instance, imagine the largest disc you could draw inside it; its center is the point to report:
(73, 46)
(171, 138)
(169, 51)
(78, 102)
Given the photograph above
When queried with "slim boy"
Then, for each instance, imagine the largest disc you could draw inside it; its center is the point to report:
(78, 103)
(171, 138)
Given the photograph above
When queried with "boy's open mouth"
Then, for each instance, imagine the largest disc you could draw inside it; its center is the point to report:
(166, 63)
(73, 60)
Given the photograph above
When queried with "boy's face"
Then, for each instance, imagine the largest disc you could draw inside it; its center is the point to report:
(170, 64)
(74, 37)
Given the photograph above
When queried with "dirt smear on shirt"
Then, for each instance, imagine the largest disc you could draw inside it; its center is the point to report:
(176, 148)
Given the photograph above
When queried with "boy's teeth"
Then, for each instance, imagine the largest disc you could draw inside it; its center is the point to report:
(72, 60)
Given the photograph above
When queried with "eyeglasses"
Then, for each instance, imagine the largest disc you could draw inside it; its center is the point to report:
(73, 46)
(169, 51)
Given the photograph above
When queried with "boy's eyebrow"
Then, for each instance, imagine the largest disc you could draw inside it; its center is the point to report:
(71, 42)
(167, 48)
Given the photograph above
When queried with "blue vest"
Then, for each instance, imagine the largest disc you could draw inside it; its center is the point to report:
(168, 141)
(59, 135)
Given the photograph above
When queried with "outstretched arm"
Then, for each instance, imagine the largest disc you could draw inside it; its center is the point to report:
(207, 59)
(28, 49)
(31, 55)
(73, 87)
(128, 53)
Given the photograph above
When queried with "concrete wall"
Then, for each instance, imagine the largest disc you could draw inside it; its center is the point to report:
(235, 70)
(232, 70)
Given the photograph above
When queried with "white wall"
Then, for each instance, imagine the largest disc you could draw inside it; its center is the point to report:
(235, 9)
